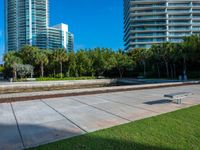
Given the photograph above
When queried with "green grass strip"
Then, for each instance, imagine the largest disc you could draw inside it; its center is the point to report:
(178, 130)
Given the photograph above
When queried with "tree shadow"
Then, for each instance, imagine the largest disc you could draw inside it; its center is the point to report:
(24, 136)
(35, 135)
(89, 142)
(13, 137)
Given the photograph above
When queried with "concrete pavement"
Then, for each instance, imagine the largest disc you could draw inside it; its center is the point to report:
(32, 123)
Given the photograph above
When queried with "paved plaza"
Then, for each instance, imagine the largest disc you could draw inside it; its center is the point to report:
(32, 123)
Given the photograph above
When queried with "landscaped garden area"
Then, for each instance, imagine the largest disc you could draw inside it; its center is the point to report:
(166, 60)
(178, 130)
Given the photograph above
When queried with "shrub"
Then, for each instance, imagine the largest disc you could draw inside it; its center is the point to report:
(59, 75)
(24, 70)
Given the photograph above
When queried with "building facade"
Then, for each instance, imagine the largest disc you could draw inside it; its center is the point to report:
(148, 22)
(59, 36)
(27, 23)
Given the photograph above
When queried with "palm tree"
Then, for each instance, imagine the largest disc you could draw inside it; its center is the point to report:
(99, 61)
(11, 60)
(28, 54)
(60, 56)
(155, 49)
(72, 64)
(165, 49)
(175, 54)
(41, 59)
(122, 62)
(190, 48)
(141, 55)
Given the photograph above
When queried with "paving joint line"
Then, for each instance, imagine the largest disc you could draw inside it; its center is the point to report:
(64, 116)
(127, 96)
(132, 97)
(101, 109)
(124, 96)
(130, 105)
(20, 134)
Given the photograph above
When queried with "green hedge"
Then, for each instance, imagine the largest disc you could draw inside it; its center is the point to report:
(67, 78)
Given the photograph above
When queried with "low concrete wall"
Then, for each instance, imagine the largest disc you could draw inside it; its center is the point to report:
(63, 93)
(43, 84)
(77, 85)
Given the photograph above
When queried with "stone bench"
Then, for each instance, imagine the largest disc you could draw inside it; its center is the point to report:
(178, 97)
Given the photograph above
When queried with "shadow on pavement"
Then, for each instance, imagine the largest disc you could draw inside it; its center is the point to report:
(33, 135)
(156, 102)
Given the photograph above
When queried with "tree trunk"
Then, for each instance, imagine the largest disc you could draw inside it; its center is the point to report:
(61, 69)
(167, 68)
(42, 70)
(184, 66)
(174, 66)
(14, 73)
(172, 71)
(120, 73)
(93, 74)
(158, 70)
(144, 64)
(54, 72)
(68, 73)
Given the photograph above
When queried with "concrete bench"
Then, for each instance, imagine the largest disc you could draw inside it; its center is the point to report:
(178, 97)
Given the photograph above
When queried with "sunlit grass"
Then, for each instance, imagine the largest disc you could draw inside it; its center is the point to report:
(178, 130)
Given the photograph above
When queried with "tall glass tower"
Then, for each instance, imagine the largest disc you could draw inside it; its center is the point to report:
(148, 22)
(27, 23)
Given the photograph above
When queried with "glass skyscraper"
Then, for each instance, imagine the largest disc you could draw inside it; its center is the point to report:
(27, 23)
(148, 22)
(60, 37)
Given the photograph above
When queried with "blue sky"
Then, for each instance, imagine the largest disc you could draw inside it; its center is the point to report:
(95, 23)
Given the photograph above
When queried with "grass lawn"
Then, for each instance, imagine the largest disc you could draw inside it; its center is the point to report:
(178, 130)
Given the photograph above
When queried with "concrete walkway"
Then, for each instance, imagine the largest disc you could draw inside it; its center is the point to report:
(32, 123)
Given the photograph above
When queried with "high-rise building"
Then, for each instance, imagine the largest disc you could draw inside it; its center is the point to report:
(59, 36)
(148, 22)
(27, 23)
